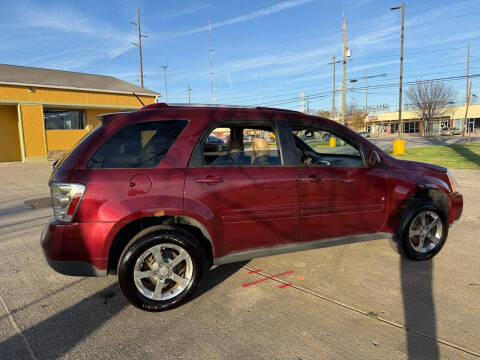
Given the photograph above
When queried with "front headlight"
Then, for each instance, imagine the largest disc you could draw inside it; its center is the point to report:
(453, 181)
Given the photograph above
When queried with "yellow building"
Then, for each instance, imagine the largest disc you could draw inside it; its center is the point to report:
(387, 122)
(45, 110)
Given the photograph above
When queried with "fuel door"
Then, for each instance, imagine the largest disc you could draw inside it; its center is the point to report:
(140, 184)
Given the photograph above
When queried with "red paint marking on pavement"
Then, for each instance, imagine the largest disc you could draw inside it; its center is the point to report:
(285, 285)
(269, 277)
(254, 271)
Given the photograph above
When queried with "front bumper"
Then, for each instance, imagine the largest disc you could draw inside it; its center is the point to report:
(76, 249)
(456, 201)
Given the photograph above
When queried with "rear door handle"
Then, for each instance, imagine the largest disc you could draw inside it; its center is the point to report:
(312, 178)
(210, 180)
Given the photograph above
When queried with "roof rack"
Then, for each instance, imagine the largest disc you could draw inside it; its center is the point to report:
(165, 105)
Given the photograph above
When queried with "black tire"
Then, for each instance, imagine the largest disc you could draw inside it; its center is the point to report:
(139, 246)
(411, 211)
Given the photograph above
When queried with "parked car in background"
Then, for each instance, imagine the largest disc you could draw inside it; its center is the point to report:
(149, 196)
(451, 131)
(213, 143)
(365, 134)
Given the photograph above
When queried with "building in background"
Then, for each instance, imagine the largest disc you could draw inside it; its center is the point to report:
(44, 110)
(387, 123)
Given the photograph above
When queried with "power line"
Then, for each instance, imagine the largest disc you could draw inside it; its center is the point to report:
(313, 96)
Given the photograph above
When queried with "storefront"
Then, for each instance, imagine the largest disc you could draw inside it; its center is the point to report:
(44, 110)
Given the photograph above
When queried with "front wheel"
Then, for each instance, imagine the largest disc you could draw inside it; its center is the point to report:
(161, 270)
(424, 231)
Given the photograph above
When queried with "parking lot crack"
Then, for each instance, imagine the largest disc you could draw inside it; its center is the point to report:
(17, 329)
(365, 313)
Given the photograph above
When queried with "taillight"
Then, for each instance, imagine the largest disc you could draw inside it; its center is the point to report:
(65, 200)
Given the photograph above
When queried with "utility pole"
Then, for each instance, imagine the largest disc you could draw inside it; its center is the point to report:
(333, 88)
(344, 76)
(469, 90)
(212, 79)
(139, 44)
(164, 67)
(334, 85)
(401, 69)
(302, 101)
(189, 89)
(366, 92)
(467, 95)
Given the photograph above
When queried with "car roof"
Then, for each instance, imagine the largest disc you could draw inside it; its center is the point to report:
(210, 107)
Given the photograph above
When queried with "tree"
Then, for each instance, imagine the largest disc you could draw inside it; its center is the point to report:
(324, 114)
(430, 100)
(355, 117)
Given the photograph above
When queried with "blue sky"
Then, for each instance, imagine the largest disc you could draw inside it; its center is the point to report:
(265, 52)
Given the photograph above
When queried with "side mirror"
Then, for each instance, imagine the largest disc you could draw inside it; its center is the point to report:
(374, 159)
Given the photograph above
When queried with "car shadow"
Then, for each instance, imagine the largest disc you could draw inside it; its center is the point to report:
(419, 309)
(217, 275)
(466, 153)
(55, 336)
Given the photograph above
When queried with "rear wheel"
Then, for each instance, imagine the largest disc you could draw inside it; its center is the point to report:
(424, 231)
(161, 270)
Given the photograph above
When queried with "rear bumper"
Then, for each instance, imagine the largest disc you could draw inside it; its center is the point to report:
(76, 249)
(75, 268)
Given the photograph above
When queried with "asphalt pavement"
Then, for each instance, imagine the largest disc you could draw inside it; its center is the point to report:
(354, 301)
(386, 142)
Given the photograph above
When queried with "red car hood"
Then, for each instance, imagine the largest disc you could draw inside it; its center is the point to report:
(416, 165)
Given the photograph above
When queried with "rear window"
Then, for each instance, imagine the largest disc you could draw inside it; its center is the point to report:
(141, 145)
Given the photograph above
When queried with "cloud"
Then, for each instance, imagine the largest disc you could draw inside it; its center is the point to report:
(58, 17)
(266, 10)
(84, 40)
(187, 11)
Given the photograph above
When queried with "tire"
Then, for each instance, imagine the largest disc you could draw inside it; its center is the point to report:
(179, 281)
(412, 229)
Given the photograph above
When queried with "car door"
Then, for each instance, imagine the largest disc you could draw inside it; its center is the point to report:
(338, 194)
(251, 199)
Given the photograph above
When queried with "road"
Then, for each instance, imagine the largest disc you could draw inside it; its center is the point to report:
(386, 143)
(354, 301)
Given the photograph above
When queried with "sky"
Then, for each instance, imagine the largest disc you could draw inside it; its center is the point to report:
(265, 52)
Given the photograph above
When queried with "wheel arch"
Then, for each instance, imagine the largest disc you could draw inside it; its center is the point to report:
(184, 224)
(437, 196)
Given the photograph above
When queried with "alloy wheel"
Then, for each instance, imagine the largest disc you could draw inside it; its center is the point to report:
(163, 272)
(426, 231)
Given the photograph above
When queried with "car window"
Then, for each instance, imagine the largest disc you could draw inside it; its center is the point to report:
(323, 148)
(141, 145)
(239, 145)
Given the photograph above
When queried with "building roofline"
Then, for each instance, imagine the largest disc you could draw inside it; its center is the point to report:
(77, 88)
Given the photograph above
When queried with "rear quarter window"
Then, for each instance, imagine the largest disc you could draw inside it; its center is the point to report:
(141, 145)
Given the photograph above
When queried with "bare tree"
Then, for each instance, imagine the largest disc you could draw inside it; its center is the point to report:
(430, 100)
(355, 117)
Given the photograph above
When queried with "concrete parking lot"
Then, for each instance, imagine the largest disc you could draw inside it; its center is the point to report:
(354, 301)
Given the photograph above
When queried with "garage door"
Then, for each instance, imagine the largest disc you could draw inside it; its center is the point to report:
(10, 142)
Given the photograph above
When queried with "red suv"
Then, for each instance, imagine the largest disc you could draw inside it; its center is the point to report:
(147, 197)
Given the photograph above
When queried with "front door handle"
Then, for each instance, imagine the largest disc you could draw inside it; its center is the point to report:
(210, 179)
(312, 178)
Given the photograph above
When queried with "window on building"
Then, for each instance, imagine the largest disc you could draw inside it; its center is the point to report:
(141, 145)
(64, 119)
(393, 128)
(411, 127)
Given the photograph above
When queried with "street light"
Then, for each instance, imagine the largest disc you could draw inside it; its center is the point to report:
(401, 68)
